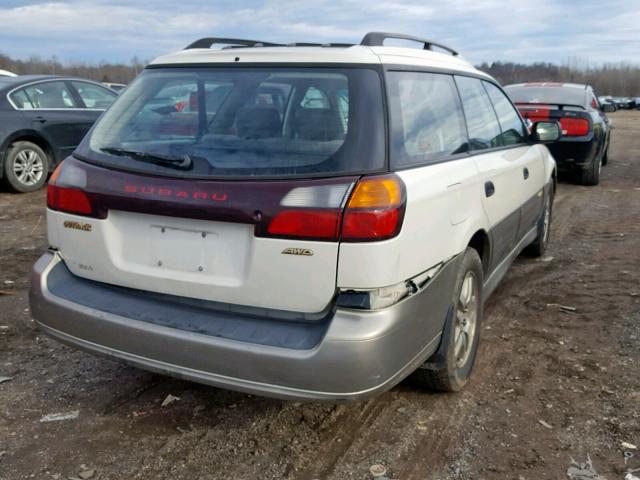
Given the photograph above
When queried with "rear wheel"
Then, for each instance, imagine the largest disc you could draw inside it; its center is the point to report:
(462, 331)
(25, 167)
(591, 174)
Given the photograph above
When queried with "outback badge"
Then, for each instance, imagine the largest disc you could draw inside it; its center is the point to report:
(298, 251)
(85, 227)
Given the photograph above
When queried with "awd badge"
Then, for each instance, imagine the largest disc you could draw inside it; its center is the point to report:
(298, 251)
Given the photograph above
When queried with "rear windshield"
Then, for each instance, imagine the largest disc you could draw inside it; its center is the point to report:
(244, 122)
(547, 95)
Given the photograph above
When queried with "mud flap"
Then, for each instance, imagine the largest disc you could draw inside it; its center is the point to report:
(438, 360)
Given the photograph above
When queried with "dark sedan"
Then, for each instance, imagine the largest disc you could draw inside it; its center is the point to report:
(586, 130)
(42, 120)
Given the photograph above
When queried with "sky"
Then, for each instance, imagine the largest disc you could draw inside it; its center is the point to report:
(93, 31)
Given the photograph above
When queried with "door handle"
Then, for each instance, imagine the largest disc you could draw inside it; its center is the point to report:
(525, 173)
(39, 119)
(489, 188)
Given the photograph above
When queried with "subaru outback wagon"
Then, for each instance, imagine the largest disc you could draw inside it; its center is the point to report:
(300, 221)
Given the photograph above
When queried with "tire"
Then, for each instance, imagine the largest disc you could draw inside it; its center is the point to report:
(464, 327)
(591, 174)
(539, 245)
(26, 167)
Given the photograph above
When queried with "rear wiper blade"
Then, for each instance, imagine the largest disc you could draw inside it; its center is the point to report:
(182, 163)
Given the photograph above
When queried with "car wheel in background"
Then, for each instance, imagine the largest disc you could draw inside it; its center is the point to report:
(26, 167)
(461, 332)
(591, 174)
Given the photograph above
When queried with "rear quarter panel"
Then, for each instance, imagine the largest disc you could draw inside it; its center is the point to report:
(443, 211)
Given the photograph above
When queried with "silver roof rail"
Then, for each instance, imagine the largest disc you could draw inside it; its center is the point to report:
(231, 42)
(376, 39)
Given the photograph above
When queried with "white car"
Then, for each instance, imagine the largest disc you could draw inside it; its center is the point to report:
(7, 73)
(300, 221)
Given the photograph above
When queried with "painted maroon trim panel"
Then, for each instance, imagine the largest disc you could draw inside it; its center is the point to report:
(251, 202)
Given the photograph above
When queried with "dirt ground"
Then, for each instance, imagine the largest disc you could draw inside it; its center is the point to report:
(550, 384)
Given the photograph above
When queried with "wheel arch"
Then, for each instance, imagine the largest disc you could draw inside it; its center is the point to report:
(26, 136)
(480, 241)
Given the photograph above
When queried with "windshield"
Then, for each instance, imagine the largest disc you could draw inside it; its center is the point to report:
(547, 95)
(273, 121)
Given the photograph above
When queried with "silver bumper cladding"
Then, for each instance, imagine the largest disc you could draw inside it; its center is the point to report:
(361, 353)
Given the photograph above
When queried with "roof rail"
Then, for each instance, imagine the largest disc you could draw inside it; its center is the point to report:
(235, 42)
(376, 39)
(310, 44)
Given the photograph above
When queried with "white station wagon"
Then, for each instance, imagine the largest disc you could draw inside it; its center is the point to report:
(299, 221)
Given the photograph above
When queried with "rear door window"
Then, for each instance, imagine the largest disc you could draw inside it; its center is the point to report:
(427, 123)
(482, 123)
(513, 130)
(44, 95)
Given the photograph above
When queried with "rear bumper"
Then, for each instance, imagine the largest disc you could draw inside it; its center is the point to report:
(360, 354)
(572, 155)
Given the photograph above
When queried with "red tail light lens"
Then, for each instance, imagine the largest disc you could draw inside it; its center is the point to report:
(375, 210)
(311, 224)
(66, 199)
(574, 127)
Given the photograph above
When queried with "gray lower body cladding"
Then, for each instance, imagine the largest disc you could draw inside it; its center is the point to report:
(351, 355)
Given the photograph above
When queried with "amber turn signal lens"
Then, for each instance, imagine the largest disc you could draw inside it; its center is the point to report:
(377, 192)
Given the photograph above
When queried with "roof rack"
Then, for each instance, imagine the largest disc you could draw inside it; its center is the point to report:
(376, 39)
(311, 44)
(232, 42)
(371, 39)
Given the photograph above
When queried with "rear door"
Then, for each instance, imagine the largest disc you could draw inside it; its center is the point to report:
(500, 169)
(55, 112)
(93, 99)
(530, 158)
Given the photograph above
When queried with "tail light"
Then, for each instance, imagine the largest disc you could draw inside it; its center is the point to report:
(575, 127)
(373, 212)
(312, 224)
(66, 198)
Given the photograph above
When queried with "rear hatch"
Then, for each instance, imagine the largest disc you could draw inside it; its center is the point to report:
(222, 184)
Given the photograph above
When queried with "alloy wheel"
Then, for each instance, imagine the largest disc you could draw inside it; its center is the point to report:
(466, 320)
(28, 167)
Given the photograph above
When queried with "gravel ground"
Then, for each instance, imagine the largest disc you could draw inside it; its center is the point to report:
(551, 384)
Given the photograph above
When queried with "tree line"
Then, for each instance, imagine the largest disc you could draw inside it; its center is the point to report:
(101, 72)
(619, 79)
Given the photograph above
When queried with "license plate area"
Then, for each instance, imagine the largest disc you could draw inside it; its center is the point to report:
(185, 250)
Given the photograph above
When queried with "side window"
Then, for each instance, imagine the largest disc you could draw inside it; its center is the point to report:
(483, 126)
(45, 95)
(94, 96)
(21, 100)
(427, 123)
(513, 131)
